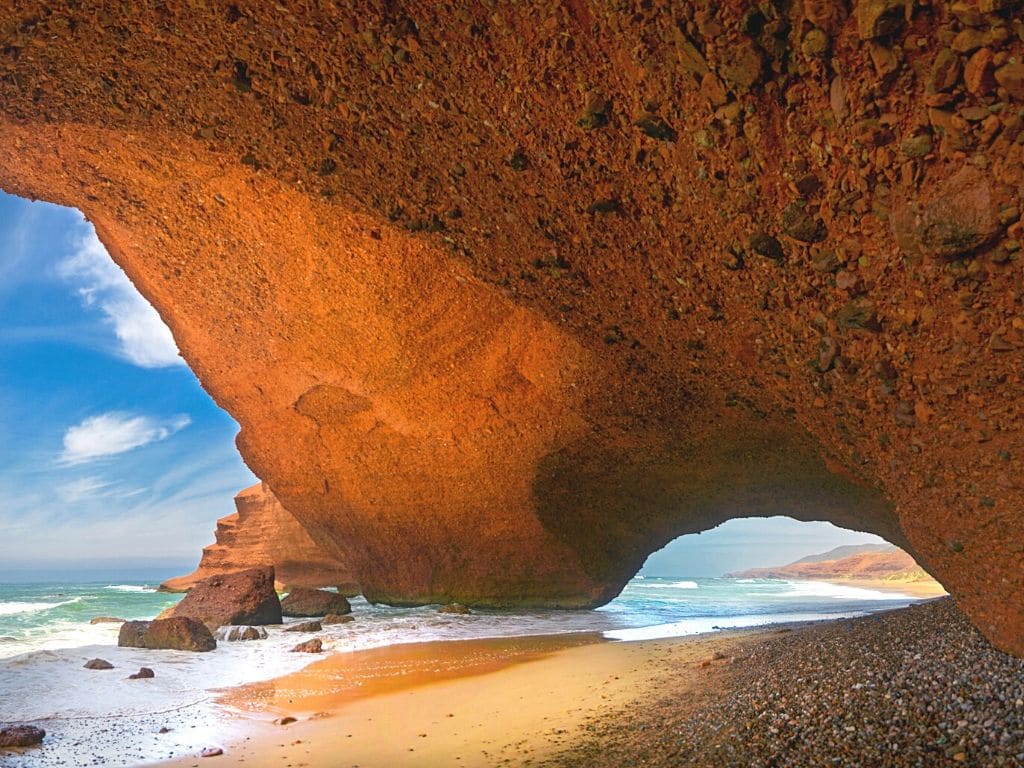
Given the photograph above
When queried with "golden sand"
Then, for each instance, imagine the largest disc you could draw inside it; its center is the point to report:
(466, 703)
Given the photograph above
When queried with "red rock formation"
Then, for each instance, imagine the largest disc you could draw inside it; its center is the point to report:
(262, 532)
(506, 298)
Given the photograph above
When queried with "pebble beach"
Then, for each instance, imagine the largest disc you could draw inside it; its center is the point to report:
(917, 687)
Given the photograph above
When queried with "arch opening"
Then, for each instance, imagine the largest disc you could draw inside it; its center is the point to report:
(751, 571)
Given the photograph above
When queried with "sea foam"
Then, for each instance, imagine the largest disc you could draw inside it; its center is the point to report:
(840, 591)
(682, 585)
(11, 608)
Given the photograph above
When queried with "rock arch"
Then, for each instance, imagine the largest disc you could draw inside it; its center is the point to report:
(504, 300)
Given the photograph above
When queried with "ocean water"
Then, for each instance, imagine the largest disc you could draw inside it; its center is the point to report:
(46, 637)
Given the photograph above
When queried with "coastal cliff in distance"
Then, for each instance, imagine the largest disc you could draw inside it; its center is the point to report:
(862, 563)
(263, 532)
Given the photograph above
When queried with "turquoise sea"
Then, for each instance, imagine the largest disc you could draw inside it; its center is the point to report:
(49, 616)
(46, 637)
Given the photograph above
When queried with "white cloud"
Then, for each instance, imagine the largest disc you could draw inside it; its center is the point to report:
(112, 433)
(144, 338)
(83, 488)
(86, 488)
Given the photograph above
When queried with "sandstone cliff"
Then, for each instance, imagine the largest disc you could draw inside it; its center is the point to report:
(506, 296)
(879, 564)
(262, 532)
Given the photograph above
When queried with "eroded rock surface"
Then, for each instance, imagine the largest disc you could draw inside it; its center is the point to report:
(504, 298)
(263, 532)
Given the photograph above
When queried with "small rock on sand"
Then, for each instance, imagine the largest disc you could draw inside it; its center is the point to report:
(211, 752)
(21, 736)
(142, 674)
(310, 646)
(305, 626)
(98, 664)
(284, 721)
(333, 618)
(247, 633)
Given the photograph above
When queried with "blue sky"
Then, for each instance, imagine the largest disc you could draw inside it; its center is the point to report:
(113, 457)
(110, 451)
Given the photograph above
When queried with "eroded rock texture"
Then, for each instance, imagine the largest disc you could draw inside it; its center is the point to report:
(262, 532)
(505, 296)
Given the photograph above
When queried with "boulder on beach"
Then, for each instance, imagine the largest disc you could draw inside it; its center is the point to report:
(246, 633)
(333, 618)
(106, 620)
(21, 736)
(305, 626)
(179, 633)
(302, 602)
(132, 634)
(244, 597)
(310, 646)
(143, 674)
(98, 664)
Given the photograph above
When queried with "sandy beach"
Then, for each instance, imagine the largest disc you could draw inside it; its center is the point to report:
(910, 687)
(474, 703)
(920, 588)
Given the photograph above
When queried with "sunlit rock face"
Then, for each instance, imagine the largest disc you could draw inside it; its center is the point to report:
(505, 298)
(262, 532)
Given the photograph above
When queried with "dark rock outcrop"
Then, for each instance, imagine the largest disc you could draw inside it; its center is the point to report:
(133, 634)
(243, 597)
(98, 664)
(300, 603)
(179, 633)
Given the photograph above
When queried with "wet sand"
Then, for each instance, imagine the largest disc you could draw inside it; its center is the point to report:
(920, 589)
(481, 703)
